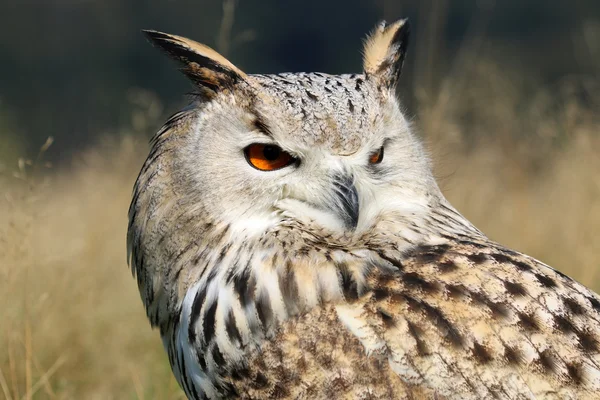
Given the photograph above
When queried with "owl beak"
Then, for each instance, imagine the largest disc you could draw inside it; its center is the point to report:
(346, 203)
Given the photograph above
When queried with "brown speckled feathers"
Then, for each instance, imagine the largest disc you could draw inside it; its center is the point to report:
(459, 320)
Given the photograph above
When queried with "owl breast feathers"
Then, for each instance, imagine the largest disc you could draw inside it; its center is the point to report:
(289, 241)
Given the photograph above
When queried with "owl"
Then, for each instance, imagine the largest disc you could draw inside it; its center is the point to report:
(289, 241)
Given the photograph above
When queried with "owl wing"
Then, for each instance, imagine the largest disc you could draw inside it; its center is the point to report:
(464, 320)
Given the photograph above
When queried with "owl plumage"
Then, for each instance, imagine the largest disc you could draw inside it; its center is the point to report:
(290, 241)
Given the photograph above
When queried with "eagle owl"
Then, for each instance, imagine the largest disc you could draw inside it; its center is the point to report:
(289, 241)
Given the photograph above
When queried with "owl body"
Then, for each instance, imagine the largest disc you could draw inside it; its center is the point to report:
(290, 241)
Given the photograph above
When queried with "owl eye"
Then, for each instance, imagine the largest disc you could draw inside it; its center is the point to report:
(267, 157)
(376, 157)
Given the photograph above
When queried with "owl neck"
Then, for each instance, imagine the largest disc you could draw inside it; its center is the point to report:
(248, 288)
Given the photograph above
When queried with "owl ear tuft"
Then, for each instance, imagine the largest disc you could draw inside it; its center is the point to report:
(204, 66)
(384, 51)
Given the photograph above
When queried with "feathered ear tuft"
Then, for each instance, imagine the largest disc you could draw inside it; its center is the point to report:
(384, 51)
(204, 66)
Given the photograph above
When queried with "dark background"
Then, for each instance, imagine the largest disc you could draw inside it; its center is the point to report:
(72, 68)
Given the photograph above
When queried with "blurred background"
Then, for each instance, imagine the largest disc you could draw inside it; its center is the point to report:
(505, 94)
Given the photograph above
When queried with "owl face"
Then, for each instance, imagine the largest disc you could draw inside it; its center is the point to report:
(322, 151)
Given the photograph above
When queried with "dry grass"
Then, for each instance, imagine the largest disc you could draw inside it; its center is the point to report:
(68, 300)
(523, 166)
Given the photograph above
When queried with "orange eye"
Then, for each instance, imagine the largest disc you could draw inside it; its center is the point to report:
(267, 157)
(376, 157)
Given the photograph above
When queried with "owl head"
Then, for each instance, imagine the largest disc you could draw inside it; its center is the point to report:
(277, 167)
(329, 151)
